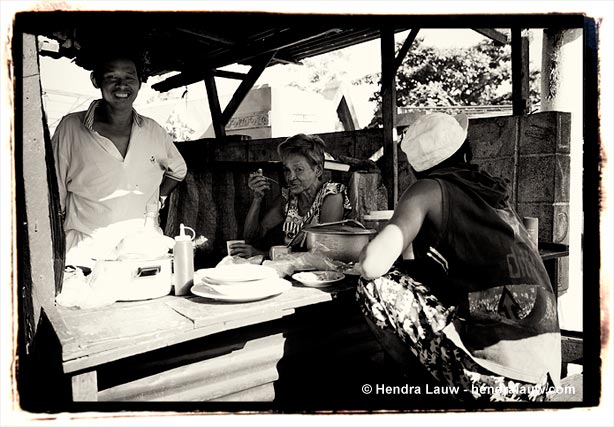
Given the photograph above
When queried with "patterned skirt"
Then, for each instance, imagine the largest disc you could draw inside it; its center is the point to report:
(406, 310)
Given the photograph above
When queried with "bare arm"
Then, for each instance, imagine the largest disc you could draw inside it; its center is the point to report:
(167, 185)
(254, 228)
(421, 200)
(332, 208)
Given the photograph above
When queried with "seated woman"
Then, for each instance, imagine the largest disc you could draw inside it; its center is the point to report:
(307, 200)
(475, 307)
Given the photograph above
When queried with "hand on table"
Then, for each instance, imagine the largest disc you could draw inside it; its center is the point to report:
(244, 250)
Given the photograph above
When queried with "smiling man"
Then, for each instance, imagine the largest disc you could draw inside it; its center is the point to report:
(110, 161)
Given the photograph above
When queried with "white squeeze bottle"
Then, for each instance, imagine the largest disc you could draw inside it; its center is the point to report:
(183, 254)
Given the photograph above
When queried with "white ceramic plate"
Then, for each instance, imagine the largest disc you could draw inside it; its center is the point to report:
(241, 288)
(236, 273)
(274, 287)
(318, 279)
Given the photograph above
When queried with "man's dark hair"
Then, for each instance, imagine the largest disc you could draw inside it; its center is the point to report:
(99, 62)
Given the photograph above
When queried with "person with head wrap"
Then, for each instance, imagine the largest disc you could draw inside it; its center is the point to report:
(474, 305)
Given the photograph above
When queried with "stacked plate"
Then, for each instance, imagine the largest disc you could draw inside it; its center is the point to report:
(238, 283)
(318, 279)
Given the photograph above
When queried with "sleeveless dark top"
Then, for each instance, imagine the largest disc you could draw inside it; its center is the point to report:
(507, 314)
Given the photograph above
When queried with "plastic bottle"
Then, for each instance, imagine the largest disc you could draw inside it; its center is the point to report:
(183, 254)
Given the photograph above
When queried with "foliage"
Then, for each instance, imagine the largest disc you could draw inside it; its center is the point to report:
(430, 77)
(314, 74)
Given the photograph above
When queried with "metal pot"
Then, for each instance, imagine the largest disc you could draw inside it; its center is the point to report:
(134, 280)
(341, 242)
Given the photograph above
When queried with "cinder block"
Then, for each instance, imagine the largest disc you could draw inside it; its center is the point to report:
(536, 179)
(560, 223)
(553, 220)
(545, 133)
(543, 178)
(493, 137)
(561, 178)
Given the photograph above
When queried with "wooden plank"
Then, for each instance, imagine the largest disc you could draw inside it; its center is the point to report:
(262, 393)
(572, 348)
(520, 73)
(389, 107)
(93, 337)
(405, 48)
(245, 368)
(204, 312)
(493, 34)
(128, 325)
(39, 278)
(214, 105)
(246, 85)
(84, 387)
(229, 74)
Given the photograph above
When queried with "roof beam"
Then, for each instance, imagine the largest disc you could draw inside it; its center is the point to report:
(389, 106)
(245, 87)
(229, 74)
(521, 100)
(493, 34)
(405, 48)
(239, 55)
(214, 105)
(208, 36)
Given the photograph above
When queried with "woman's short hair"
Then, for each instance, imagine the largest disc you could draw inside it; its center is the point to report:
(311, 147)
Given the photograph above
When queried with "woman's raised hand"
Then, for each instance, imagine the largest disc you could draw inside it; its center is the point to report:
(258, 184)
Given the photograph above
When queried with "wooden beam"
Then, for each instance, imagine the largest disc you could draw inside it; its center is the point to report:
(84, 387)
(252, 76)
(388, 115)
(229, 74)
(240, 55)
(521, 101)
(493, 34)
(39, 218)
(405, 48)
(208, 36)
(214, 105)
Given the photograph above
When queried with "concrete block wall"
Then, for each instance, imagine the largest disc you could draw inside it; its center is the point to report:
(544, 172)
(533, 153)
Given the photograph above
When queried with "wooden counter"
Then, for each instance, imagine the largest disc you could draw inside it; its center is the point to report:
(192, 348)
(304, 347)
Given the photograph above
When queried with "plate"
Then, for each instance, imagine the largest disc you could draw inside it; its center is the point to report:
(274, 287)
(318, 279)
(236, 273)
(241, 288)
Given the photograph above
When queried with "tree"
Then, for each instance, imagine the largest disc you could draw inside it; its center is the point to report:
(429, 77)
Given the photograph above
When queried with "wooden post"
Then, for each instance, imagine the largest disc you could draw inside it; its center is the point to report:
(38, 277)
(521, 101)
(388, 114)
(84, 387)
(214, 106)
